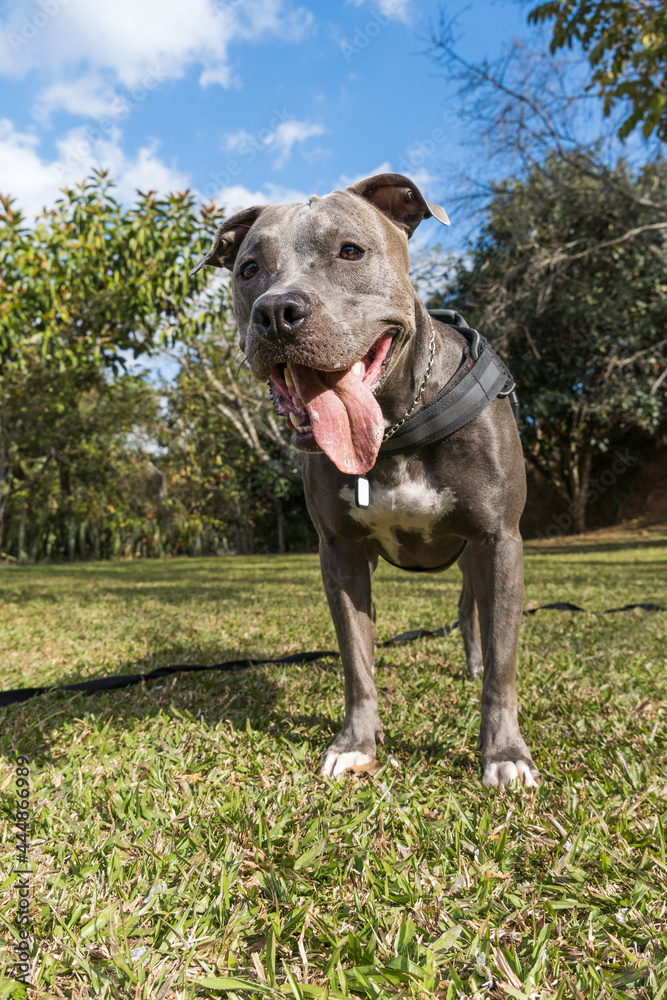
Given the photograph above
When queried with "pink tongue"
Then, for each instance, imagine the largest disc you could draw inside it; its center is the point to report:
(345, 416)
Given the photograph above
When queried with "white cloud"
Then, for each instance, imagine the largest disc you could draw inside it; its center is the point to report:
(125, 37)
(382, 168)
(281, 137)
(81, 151)
(146, 172)
(421, 177)
(129, 38)
(395, 10)
(24, 175)
(286, 135)
(221, 74)
(87, 97)
(274, 17)
(35, 183)
(238, 140)
(236, 197)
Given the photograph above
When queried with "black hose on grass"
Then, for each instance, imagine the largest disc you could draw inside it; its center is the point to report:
(116, 681)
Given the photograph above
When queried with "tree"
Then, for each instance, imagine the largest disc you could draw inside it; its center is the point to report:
(626, 44)
(89, 456)
(211, 466)
(567, 230)
(568, 277)
(93, 279)
(67, 445)
(88, 284)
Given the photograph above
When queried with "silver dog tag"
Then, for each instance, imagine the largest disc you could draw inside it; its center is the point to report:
(362, 491)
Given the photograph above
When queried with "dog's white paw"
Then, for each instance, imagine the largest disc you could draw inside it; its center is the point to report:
(335, 764)
(506, 771)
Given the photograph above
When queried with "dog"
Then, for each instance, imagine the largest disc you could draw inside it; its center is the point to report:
(328, 316)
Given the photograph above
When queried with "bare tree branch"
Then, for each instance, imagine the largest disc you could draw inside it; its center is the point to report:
(227, 399)
(524, 107)
(658, 382)
(629, 235)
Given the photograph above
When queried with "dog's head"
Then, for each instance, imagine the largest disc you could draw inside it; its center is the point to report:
(322, 298)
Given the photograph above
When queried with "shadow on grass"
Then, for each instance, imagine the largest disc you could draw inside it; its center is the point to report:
(533, 548)
(202, 694)
(174, 592)
(412, 751)
(247, 696)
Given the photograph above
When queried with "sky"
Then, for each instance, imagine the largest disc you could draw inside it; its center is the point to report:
(244, 101)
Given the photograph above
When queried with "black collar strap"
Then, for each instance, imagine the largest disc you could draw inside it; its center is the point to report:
(480, 377)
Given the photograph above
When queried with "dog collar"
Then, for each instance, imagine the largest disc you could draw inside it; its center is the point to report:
(431, 354)
(480, 377)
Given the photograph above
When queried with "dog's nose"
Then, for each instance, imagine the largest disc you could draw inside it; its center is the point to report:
(280, 316)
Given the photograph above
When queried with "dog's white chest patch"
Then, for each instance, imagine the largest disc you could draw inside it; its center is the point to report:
(413, 505)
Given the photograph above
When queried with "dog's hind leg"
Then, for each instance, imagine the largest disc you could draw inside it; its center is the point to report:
(497, 574)
(468, 619)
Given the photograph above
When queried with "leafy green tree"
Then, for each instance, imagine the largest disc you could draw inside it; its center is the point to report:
(82, 445)
(67, 444)
(568, 277)
(626, 45)
(93, 279)
(88, 284)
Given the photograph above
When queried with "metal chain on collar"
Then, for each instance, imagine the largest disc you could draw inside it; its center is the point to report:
(431, 354)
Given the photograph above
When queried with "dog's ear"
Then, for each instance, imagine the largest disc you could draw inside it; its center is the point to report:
(399, 199)
(229, 238)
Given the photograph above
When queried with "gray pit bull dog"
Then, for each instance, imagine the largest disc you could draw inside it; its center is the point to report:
(327, 314)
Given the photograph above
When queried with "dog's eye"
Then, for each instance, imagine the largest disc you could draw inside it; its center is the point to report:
(249, 269)
(350, 251)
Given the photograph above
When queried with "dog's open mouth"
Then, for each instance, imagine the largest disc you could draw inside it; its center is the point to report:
(337, 411)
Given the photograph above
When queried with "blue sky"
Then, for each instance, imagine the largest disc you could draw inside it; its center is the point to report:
(246, 101)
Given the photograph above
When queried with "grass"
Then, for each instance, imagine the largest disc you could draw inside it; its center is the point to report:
(182, 845)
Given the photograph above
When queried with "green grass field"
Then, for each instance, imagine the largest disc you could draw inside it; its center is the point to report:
(182, 845)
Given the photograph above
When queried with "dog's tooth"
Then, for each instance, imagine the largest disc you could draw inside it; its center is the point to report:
(289, 381)
(356, 368)
(295, 421)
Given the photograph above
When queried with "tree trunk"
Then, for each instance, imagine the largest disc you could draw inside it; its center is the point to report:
(579, 501)
(65, 489)
(280, 521)
(71, 539)
(23, 555)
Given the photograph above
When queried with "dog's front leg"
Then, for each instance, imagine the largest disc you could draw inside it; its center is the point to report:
(346, 573)
(497, 565)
